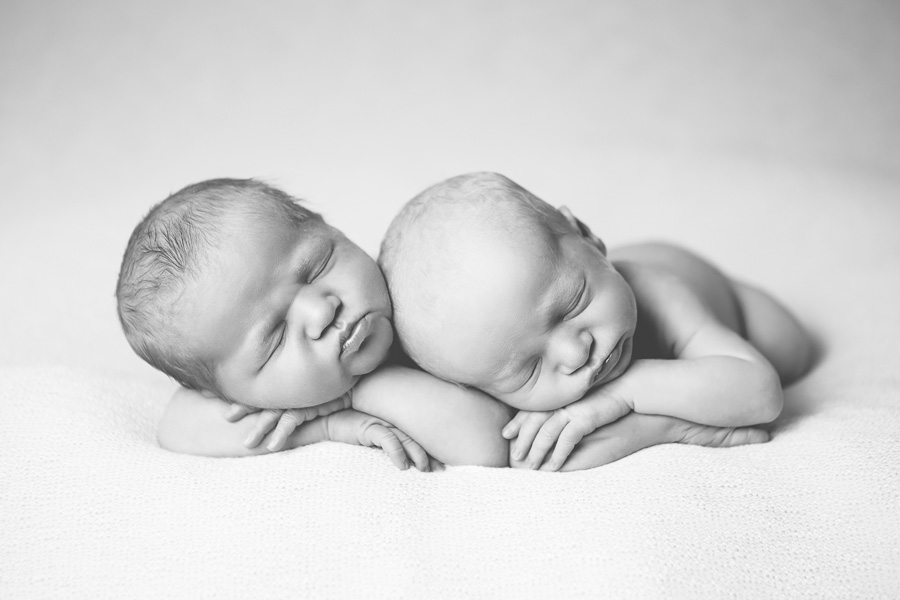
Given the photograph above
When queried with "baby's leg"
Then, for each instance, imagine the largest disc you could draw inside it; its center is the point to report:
(635, 432)
(775, 332)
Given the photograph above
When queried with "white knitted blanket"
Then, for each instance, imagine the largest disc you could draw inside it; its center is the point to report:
(91, 506)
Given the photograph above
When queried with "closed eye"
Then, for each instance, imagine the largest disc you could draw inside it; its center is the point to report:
(322, 266)
(278, 344)
(532, 375)
(578, 303)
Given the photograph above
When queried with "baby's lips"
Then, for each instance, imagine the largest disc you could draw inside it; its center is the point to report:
(357, 336)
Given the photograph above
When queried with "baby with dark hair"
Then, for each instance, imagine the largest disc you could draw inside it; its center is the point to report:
(251, 301)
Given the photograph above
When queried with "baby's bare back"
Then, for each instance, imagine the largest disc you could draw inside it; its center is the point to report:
(707, 282)
(743, 308)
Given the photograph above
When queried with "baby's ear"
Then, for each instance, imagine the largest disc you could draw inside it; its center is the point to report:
(583, 229)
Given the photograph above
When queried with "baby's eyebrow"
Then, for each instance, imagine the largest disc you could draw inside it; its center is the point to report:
(308, 251)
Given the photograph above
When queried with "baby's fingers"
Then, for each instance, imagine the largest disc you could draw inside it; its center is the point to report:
(722, 437)
(263, 425)
(329, 407)
(511, 429)
(379, 435)
(568, 439)
(533, 422)
(287, 423)
(414, 451)
(544, 440)
(236, 412)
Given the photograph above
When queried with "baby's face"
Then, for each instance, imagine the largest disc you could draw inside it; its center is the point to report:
(540, 321)
(289, 318)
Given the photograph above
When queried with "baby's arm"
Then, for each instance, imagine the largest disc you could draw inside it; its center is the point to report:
(196, 424)
(456, 425)
(715, 378)
(635, 432)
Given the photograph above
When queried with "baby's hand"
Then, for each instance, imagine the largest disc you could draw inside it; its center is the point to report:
(354, 427)
(537, 432)
(283, 421)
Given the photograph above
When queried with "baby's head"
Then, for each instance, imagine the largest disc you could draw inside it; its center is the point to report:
(234, 289)
(495, 289)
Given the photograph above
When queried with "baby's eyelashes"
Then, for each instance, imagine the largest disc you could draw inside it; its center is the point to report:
(533, 374)
(324, 265)
(578, 304)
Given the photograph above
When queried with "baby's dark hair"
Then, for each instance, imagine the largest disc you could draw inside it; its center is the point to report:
(169, 248)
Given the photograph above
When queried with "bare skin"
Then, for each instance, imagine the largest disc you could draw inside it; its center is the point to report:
(534, 311)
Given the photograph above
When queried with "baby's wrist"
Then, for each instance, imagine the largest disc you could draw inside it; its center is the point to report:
(348, 398)
(619, 391)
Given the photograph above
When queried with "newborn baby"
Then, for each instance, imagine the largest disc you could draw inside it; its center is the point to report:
(495, 289)
(243, 295)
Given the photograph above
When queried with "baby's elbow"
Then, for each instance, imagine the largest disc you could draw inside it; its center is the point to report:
(483, 455)
(172, 437)
(485, 446)
(770, 396)
(488, 451)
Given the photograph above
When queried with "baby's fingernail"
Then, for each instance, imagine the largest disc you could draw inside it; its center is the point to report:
(405, 464)
(274, 445)
(517, 454)
(506, 432)
(249, 441)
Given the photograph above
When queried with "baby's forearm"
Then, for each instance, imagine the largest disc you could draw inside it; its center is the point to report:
(195, 424)
(458, 426)
(715, 390)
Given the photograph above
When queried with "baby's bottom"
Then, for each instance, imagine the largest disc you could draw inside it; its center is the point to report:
(636, 431)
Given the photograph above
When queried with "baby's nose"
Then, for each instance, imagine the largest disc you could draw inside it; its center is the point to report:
(573, 351)
(318, 313)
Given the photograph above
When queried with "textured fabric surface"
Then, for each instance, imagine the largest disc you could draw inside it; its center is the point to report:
(90, 504)
(762, 135)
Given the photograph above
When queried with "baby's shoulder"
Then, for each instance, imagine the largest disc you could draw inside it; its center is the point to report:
(660, 256)
(675, 285)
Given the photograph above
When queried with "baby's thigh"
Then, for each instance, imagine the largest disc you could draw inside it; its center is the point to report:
(775, 332)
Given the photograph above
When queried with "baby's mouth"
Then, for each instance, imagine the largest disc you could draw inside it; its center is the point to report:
(352, 338)
(609, 364)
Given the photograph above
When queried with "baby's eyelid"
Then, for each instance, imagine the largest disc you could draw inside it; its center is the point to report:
(323, 266)
(531, 375)
(578, 306)
(279, 344)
